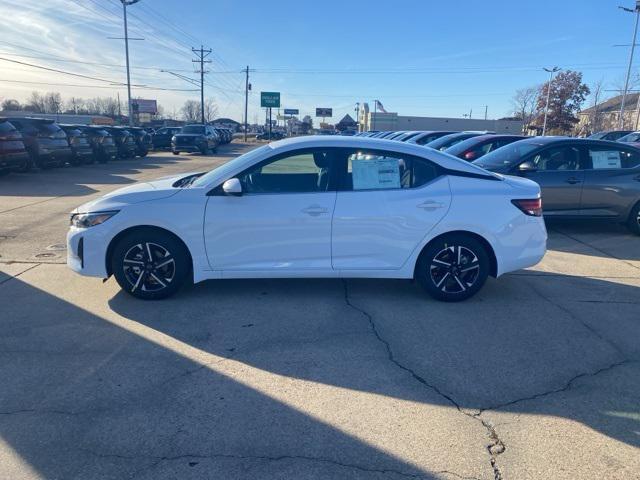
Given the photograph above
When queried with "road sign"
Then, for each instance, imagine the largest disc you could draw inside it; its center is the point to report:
(291, 111)
(270, 99)
(324, 112)
(145, 106)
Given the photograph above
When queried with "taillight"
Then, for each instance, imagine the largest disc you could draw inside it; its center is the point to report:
(531, 207)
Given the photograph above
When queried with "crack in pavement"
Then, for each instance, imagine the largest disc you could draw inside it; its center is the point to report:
(195, 456)
(494, 448)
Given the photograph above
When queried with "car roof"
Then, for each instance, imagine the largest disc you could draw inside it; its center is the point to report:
(338, 141)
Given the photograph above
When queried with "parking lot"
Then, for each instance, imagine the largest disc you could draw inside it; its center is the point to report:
(535, 377)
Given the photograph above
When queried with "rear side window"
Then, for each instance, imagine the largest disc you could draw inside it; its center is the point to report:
(379, 170)
(6, 127)
(605, 158)
(558, 158)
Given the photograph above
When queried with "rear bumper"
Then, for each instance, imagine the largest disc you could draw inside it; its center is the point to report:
(13, 160)
(522, 244)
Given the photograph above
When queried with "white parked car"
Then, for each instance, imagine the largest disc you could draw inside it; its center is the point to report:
(317, 206)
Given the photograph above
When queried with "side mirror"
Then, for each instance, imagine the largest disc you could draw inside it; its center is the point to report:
(232, 187)
(527, 166)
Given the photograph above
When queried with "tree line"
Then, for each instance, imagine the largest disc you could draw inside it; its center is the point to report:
(53, 103)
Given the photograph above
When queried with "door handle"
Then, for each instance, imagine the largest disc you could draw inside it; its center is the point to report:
(430, 205)
(572, 180)
(314, 210)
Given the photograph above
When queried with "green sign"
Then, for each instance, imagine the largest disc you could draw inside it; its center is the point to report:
(270, 99)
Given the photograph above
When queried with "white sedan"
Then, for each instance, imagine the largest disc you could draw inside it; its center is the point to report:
(345, 207)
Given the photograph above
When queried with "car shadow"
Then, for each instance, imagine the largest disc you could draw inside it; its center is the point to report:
(523, 337)
(83, 397)
(596, 238)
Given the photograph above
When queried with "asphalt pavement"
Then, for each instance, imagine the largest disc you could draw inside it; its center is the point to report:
(537, 377)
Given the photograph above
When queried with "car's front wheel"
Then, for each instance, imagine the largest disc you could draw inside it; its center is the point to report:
(453, 267)
(150, 264)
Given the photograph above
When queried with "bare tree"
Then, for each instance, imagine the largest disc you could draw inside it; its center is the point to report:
(75, 105)
(524, 104)
(52, 102)
(35, 103)
(191, 111)
(10, 104)
(597, 96)
(210, 109)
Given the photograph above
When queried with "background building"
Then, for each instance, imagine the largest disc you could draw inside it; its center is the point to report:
(606, 115)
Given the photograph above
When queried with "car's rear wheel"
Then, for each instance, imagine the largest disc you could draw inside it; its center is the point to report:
(634, 219)
(150, 264)
(175, 153)
(453, 267)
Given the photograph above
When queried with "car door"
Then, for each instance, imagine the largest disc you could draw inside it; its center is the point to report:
(387, 203)
(282, 220)
(558, 170)
(612, 181)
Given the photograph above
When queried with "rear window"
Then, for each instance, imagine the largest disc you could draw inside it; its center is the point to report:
(6, 127)
(193, 129)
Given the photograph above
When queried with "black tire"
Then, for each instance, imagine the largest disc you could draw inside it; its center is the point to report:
(453, 267)
(26, 166)
(204, 149)
(175, 153)
(142, 280)
(634, 219)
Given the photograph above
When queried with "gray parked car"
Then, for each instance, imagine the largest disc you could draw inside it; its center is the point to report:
(580, 178)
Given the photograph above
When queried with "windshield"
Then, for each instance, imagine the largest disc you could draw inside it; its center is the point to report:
(193, 129)
(447, 141)
(230, 166)
(507, 155)
(631, 137)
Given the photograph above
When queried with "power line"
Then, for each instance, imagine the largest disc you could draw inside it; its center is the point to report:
(114, 87)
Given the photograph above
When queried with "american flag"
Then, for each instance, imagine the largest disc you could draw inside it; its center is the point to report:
(380, 107)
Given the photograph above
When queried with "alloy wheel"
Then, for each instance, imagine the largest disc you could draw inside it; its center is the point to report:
(149, 267)
(454, 269)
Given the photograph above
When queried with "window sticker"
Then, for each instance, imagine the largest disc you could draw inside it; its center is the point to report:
(605, 159)
(375, 174)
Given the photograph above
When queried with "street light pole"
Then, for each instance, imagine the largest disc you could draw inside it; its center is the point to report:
(125, 4)
(358, 116)
(546, 108)
(635, 10)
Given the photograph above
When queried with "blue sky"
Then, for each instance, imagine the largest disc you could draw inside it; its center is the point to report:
(429, 58)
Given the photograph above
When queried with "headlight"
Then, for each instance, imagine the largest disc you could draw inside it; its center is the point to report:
(86, 220)
(173, 139)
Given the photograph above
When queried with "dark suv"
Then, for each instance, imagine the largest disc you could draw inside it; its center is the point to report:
(102, 143)
(195, 138)
(46, 142)
(142, 139)
(13, 154)
(125, 142)
(81, 151)
(162, 137)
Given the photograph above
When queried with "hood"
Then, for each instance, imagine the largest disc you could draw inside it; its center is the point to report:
(136, 193)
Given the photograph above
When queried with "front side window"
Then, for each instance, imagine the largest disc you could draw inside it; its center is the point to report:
(299, 172)
(558, 158)
(376, 170)
(601, 158)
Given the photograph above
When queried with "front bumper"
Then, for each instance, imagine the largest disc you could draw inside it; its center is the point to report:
(186, 148)
(86, 251)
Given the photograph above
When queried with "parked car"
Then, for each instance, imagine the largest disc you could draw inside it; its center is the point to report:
(425, 137)
(143, 141)
(44, 140)
(81, 150)
(162, 137)
(195, 138)
(395, 135)
(13, 154)
(609, 135)
(275, 135)
(224, 134)
(315, 207)
(102, 142)
(632, 138)
(450, 140)
(406, 136)
(125, 142)
(580, 178)
(475, 147)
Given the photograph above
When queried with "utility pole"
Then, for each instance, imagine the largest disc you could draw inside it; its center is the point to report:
(358, 116)
(125, 4)
(546, 108)
(247, 87)
(202, 54)
(486, 110)
(635, 10)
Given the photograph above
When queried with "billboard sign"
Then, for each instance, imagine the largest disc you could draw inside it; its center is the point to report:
(324, 112)
(291, 111)
(270, 99)
(144, 106)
